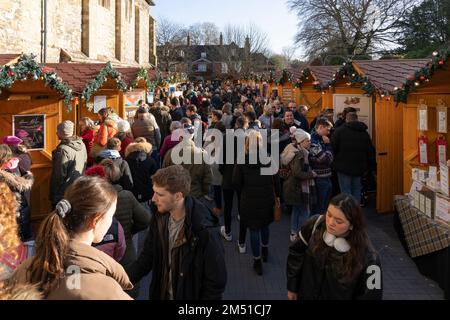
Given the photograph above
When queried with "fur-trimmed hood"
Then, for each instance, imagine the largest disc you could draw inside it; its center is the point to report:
(20, 292)
(138, 147)
(17, 183)
(289, 154)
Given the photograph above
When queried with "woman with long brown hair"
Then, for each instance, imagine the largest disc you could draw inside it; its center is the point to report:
(66, 266)
(10, 255)
(334, 258)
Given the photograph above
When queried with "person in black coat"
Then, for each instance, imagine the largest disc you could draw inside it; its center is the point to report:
(183, 248)
(259, 194)
(334, 258)
(112, 152)
(354, 154)
(142, 167)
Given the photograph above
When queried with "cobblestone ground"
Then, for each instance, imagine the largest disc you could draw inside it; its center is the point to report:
(401, 279)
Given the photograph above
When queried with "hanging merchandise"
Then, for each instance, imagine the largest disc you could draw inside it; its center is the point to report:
(441, 117)
(423, 150)
(441, 150)
(422, 116)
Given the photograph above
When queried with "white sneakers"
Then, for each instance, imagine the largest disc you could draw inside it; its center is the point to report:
(226, 236)
(242, 248)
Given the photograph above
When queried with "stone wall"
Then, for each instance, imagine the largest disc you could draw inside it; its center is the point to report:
(20, 29)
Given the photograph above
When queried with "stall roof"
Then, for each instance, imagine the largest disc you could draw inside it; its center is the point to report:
(388, 74)
(323, 74)
(8, 58)
(77, 75)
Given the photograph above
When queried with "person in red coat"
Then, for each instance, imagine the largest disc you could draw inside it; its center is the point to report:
(124, 135)
(88, 131)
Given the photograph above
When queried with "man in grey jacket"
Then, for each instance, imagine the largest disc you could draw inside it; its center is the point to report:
(68, 161)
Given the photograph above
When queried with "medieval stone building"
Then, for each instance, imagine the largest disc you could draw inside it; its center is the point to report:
(121, 31)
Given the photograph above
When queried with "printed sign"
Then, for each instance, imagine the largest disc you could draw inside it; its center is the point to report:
(361, 103)
(31, 129)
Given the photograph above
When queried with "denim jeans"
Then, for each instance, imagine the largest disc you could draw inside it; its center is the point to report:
(259, 237)
(350, 185)
(299, 216)
(324, 189)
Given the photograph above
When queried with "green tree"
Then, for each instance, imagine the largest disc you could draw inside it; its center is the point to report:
(426, 28)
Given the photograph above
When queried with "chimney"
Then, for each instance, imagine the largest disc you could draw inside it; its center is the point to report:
(188, 39)
(247, 45)
(221, 39)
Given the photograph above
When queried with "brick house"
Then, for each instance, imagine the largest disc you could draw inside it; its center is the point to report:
(210, 62)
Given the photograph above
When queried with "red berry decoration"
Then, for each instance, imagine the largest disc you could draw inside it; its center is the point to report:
(422, 78)
(410, 78)
(441, 62)
(10, 73)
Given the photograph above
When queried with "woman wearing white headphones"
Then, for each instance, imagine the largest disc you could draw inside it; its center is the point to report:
(334, 258)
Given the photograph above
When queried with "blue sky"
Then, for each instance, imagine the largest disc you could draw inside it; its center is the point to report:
(272, 16)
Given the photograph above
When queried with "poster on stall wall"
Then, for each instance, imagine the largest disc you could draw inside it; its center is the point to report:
(99, 103)
(361, 103)
(423, 150)
(31, 129)
(134, 98)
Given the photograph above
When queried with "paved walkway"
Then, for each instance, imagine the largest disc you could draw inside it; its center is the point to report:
(401, 279)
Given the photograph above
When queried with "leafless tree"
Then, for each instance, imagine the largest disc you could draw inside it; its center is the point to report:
(347, 27)
(206, 33)
(169, 36)
(288, 53)
(259, 42)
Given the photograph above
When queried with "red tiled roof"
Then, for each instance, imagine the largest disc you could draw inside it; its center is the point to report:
(5, 58)
(388, 74)
(77, 75)
(323, 74)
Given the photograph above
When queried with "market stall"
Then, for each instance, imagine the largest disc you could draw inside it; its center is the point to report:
(33, 102)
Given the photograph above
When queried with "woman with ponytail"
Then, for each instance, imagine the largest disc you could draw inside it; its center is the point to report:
(66, 266)
(334, 258)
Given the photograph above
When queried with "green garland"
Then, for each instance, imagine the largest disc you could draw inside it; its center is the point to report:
(143, 75)
(440, 61)
(100, 79)
(26, 67)
(347, 72)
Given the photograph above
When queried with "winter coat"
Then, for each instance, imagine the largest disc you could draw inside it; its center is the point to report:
(300, 174)
(107, 130)
(353, 151)
(101, 277)
(201, 175)
(88, 140)
(226, 169)
(318, 276)
(126, 178)
(133, 217)
(257, 194)
(163, 119)
(142, 167)
(20, 185)
(168, 144)
(198, 266)
(303, 121)
(176, 114)
(146, 128)
(113, 243)
(68, 163)
(126, 141)
(320, 156)
(25, 162)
